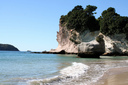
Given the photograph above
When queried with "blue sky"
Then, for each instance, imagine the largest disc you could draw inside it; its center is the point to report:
(33, 24)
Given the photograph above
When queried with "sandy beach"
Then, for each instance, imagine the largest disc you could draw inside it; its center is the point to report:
(115, 76)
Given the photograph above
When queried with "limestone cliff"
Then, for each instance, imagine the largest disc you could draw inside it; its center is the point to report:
(81, 32)
(85, 41)
(64, 38)
(69, 40)
(110, 44)
(116, 43)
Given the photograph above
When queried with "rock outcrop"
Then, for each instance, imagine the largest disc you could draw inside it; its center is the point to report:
(107, 45)
(65, 40)
(89, 43)
(69, 39)
(116, 43)
(93, 46)
(92, 49)
(80, 32)
(7, 47)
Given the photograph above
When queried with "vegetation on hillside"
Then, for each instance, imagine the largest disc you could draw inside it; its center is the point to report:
(80, 19)
(112, 23)
(108, 23)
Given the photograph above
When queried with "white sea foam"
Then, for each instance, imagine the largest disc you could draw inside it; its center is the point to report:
(76, 70)
(80, 74)
(46, 81)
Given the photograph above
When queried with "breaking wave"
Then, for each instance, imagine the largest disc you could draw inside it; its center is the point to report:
(71, 73)
(74, 71)
(80, 73)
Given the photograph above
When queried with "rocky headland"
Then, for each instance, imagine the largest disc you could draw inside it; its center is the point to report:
(8, 47)
(90, 43)
(90, 39)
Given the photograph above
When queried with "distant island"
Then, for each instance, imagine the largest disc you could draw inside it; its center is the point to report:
(7, 47)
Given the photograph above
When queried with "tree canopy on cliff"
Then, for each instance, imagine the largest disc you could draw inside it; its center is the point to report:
(108, 23)
(112, 23)
(81, 19)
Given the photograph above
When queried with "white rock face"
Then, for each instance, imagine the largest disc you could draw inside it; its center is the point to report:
(64, 42)
(116, 43)
(88, 36)
(85, 41)
(92, 45)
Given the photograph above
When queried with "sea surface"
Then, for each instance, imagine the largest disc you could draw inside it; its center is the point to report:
(25, 68)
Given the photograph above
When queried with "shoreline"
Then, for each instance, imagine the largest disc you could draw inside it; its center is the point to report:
(83, 54)
(114, 76)
(60, 52)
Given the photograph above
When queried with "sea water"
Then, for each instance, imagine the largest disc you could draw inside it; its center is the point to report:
(25, 68)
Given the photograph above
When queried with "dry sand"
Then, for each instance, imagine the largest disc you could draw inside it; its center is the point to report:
(115, 76)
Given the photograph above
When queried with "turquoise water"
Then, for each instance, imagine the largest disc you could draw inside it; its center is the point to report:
(24, 68)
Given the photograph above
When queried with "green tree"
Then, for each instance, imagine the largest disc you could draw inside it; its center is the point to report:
(89, 9)
(81, 19)
(112, 23)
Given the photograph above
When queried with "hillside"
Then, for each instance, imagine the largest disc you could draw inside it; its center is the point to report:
(7, 47)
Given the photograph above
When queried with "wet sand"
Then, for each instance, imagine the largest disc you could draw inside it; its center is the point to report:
(115, 76)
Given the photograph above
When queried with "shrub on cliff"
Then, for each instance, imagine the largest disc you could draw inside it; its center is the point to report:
(112, 23)
(81, 19)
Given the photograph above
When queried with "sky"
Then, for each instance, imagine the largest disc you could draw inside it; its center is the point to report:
(33, 24)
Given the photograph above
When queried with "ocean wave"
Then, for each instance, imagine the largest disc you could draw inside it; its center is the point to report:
(81, 74)
(74, 71)
(66, 75)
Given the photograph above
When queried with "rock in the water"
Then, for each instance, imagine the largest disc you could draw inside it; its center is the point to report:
(89, 55)
(60, 52)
